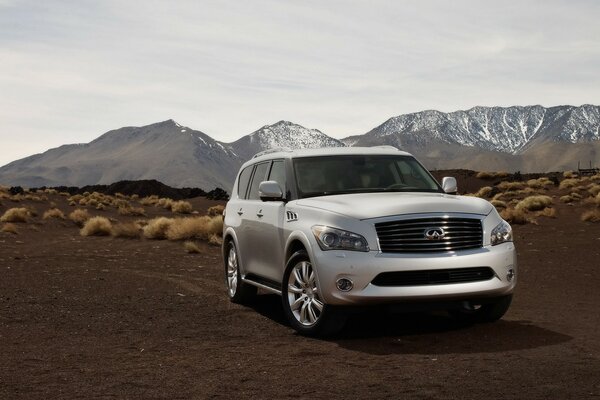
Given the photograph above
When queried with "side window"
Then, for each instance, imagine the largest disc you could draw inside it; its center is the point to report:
(259, 175)
(278, 173)
(244, 181)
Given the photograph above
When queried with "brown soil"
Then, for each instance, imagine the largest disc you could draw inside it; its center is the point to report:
(98, 317)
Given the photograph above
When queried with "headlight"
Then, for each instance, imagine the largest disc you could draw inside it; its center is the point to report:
(337, 239)
(501, 233)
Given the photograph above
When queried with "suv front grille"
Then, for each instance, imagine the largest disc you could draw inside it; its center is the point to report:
(411, 235)
(433, 277)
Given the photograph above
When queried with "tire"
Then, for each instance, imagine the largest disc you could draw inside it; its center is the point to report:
(237, 290)
(303, 304)
(490, 311)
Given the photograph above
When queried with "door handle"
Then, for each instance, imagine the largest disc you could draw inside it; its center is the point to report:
(259, 213)
(240, 212)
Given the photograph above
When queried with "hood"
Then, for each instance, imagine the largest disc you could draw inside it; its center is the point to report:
(376, 205)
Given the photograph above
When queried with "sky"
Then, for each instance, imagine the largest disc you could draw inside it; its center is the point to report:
(72, 70)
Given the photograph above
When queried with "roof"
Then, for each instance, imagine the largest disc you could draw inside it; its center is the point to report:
(325, 151)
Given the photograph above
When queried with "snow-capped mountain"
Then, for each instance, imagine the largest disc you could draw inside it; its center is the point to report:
(503, 129)
(282, 134)
(528, 139)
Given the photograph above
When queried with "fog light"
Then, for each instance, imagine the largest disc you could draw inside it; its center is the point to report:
(344, 284)
(510, 275)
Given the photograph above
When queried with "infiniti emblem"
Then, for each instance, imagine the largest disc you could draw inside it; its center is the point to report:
(434, 233)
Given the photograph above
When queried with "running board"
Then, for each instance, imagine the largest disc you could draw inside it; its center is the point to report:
(263, 283)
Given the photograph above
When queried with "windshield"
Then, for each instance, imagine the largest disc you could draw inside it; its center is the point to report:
(329, 175)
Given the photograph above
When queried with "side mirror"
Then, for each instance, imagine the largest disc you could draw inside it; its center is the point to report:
(270, 191)
(449, 185)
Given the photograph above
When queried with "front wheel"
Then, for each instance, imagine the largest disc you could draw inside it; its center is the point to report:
(302, 301)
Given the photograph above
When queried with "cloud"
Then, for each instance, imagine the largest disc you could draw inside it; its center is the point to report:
(73, 70)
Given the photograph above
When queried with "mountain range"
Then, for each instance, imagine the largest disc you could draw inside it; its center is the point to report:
(527, 139)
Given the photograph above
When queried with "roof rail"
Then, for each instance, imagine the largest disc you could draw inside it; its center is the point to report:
(273, 150)
(386, 146)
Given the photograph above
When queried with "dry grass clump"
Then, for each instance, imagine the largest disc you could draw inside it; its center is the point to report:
(485, 191)
(9, 228)
(64, 194)
(165, 203)
(534, 203)
(51, 191)
(53, 213)
(539, 183)
(129, 230)
(547, 212)
(593, 200)
(569, 174)
(491, 175)
(79, 216)
(510, 186)
(33, 197)
(181, 207)
(568, 183)
(514, 216)
(591, 216)
(191, 247)
(157, 228)
(195, 228)
(120, 203)
(75, 198)
(593, 189)
(566, 199)
(215, 210)
(100, 207)
(215, 239)
(149, 201)
(135, 211)
(499, 204)
(20, 214)
(96, 226)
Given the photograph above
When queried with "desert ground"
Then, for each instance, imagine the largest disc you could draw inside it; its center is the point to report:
(141, 313)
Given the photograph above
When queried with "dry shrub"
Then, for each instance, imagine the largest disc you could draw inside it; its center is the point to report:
(157, 228)
(576, 196)
(165, 203)
(149, 201)
(181, 207)
(195, 228)
(100, 207)
(51, 191)
(510, 186)
(53, 213)
(191, 247)
(96, 226)
(134, 196)
(33, 197)
(484, 192)
(9, 228)
(594, 189)
(591, 216)
(539, 183)
(79, 216)
(593, 200)
(499, 204)
(514, 216)
(534, 203)
(547, 212)
(568, 183)
(141, 222)
(216, 210)
(566, 199)
(76, 198)
(64, 194)
(595, 178)
(121, 196)
(129, 230)
(491, 175)
(569, 174)
(20, 214)
(135, 211)
(215, 239)
(120, 203)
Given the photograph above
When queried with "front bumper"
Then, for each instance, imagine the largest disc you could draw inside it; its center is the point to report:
(362, 268)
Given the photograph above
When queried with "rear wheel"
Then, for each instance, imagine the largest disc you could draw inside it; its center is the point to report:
(490, 311)
(237, 290)
(302, 301)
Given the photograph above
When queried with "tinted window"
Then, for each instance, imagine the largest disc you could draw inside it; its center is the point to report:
(259, 176)
(243, 181)
(278, 174)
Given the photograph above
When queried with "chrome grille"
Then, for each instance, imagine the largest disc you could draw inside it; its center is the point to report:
(409, 236)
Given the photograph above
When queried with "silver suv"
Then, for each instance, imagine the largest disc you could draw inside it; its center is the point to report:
(334, 228)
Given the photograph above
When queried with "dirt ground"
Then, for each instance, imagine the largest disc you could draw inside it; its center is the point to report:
(98, 317)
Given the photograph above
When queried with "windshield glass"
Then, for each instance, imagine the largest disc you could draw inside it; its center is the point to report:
(329, 175)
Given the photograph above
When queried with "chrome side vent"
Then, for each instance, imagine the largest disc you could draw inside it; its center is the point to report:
(291, 216)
